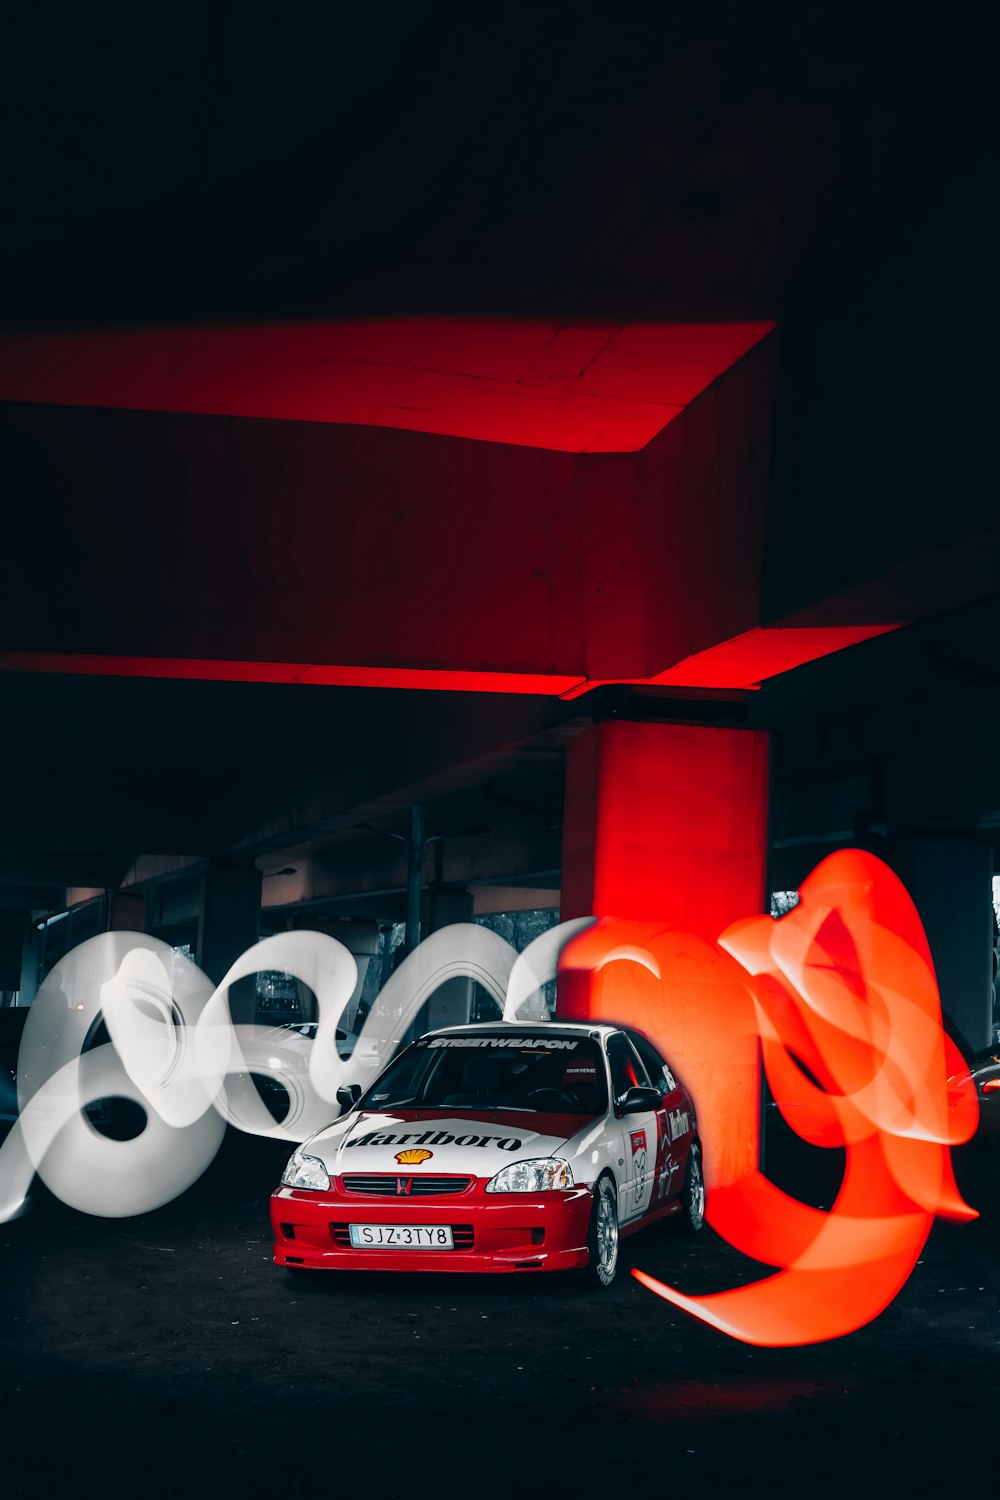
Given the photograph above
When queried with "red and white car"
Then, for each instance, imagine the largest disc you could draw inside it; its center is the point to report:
(497, 1147)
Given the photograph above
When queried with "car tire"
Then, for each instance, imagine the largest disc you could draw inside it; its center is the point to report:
(602, 1236)
(692, 1214)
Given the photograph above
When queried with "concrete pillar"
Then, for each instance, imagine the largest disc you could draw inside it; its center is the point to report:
(362, 940)
(665, 842)
(229, 924)
(451, 1004)
(127, 911)
(30, 959)
(414, 877)
(12, 925)
(950, 877)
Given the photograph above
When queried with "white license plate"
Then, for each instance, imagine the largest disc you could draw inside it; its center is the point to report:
(401, 1237)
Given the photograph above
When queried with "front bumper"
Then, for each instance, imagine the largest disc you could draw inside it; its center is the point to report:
(493, 1232)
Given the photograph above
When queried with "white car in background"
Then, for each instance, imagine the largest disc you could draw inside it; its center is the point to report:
(276, 1073)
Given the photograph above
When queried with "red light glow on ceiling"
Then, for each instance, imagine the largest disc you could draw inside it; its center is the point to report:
(301, 673)
(742, 663)
(747, 660)
(580, 387)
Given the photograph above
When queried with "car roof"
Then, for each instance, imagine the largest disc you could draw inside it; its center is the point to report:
(529, 1028)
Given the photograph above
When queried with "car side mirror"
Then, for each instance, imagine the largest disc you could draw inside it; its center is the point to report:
(640, 1100)
(348, 1096)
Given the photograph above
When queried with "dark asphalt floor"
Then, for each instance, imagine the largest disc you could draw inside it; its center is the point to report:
(167, 1356)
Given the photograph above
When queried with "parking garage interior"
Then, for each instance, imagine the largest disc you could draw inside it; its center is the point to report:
(409, 469)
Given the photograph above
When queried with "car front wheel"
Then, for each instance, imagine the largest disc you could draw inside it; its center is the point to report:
(602, 1238)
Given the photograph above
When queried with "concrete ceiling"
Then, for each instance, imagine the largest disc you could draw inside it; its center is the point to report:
(639, 161)
(572, 385)
(557, 179)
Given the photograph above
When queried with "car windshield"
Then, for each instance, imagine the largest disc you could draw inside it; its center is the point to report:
(499, 1070)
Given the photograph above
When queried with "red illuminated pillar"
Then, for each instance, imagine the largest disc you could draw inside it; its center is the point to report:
(665, 843)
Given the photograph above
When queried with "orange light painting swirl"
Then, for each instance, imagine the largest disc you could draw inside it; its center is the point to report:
(845, 985)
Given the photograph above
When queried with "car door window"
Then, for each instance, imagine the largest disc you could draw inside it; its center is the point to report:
(659, 1070)
(627, 1070)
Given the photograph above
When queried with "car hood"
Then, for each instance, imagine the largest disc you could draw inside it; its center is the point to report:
(469, 1142)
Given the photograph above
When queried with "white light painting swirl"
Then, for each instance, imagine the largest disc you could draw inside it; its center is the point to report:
(174, 1050)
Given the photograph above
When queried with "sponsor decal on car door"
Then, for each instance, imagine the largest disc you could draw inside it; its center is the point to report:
(639, 1156)
(638, 1131)
(639, 1138)
(666, 1163)
(673, 1123)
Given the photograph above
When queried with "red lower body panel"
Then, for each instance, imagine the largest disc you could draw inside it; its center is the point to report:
(492, 1232)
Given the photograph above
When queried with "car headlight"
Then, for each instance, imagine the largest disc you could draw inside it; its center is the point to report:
(306, 1172)
(536, 1176)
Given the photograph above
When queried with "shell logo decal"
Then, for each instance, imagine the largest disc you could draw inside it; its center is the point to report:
(413, 1158)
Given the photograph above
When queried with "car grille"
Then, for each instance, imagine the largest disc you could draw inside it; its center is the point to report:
(463, 1234)
(384, 1186)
